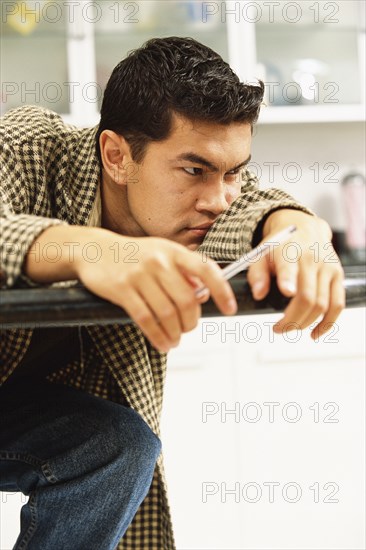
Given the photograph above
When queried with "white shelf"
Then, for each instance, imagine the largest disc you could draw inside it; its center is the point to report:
(271, 115)
(312, 114)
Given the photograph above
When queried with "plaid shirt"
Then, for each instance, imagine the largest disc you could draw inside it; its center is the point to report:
(50, 176)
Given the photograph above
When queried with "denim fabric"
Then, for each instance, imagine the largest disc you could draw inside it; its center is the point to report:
(85, 462)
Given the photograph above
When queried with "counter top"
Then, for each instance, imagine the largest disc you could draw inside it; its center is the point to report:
(50, 307)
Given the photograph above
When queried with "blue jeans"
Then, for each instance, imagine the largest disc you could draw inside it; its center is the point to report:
(85, 462)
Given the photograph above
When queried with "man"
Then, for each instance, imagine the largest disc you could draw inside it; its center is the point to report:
(137, 210)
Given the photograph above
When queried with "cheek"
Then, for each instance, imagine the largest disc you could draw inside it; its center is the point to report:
(181, 195)
(232, 193)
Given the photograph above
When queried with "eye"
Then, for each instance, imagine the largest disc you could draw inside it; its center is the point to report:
(192, 171)
(233, 173)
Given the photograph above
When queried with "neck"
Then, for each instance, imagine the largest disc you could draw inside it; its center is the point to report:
(116, 215)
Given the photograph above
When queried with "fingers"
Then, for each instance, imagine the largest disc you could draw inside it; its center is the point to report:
(138, 310)
(320, 294)
(163, 309)
(302, 305)
(158, 290)
(172, 305)
(322, 298)
(211, 276)
(196, 284)
(259, 278)
(313, 277)
(163, 302)
(259, 274)
(337, 302)
(182, 298)
(287, 278)
(303, 274)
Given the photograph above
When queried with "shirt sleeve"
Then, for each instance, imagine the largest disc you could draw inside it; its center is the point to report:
(237, 230)
(18, 228)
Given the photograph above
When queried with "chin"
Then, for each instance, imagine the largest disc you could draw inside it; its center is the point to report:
(189, 241)
(192, 246)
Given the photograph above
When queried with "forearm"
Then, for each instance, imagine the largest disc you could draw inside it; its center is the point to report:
(56, 253)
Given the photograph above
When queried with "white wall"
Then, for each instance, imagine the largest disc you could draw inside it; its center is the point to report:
(323, 152)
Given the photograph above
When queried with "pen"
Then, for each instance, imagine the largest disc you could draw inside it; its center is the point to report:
(258, 252)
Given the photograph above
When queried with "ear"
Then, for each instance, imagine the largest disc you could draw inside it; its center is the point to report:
(115, 153)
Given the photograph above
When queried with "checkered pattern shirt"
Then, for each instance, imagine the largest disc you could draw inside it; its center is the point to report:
(50, 176)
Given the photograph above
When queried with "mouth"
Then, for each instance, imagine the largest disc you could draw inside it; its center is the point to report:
(200, 229)
(200, 232)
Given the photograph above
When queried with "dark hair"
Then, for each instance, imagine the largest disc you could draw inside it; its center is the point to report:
(169, 75)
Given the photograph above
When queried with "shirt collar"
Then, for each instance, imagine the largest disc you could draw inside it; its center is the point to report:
(95, 218)
(83, 191)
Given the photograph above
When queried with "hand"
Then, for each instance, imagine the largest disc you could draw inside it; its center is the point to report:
(154, 282)
(315, 279)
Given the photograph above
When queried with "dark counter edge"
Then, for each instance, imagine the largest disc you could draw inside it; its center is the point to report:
(50, 307)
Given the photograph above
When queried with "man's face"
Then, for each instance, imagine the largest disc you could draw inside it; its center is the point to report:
(188, 180)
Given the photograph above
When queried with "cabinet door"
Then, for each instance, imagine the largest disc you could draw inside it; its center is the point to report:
(263, 436)
(48, 58)
(10, 509)
(200, 454)
(123, 26)
(311, 54)
(302, 437)
(34, 56)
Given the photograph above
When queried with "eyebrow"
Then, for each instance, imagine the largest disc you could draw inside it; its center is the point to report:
(197, 159)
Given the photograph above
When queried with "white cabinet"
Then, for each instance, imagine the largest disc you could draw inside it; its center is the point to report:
(10, 507)
(199, 452)
(264, 438)
(310, 55)
(60, 54)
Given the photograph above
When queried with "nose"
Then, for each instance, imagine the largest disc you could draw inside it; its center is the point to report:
(213, 196)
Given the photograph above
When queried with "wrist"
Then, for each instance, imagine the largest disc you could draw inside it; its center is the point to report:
(89, 245)
(280, 218)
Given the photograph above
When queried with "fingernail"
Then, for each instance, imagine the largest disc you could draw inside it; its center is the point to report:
(257, 288)
(290, 286)
(232, 305)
